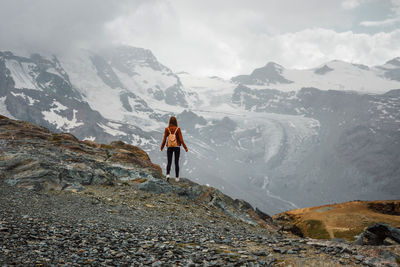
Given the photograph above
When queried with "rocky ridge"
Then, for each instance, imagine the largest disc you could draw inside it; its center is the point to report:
(33, 157)
(96, 204)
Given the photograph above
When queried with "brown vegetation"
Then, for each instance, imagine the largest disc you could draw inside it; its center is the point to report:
(344, 220)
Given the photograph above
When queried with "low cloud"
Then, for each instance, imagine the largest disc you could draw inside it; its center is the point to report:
(224, 38)
(391, 20)
(56, 26)
(311, 47)
(385, 22)
(351, 4)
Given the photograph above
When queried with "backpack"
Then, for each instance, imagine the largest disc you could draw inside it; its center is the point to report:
(172, 142)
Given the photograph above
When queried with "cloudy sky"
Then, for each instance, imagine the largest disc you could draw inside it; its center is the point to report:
(211, 37)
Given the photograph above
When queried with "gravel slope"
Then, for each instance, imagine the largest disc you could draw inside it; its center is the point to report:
(122, 226)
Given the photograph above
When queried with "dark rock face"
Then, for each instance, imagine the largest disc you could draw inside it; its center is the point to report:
(132, 102)
(357, 146)
(33, 157)
(266, 100)
(387, 208)
(392, 69)
(377, 233)
(157, 186)
(269, 74)
(174, 95)
(191, 119)
(324, 69)
(105, 72)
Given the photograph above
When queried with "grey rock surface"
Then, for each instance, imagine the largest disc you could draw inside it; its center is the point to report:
(377, 233)
(33, 157)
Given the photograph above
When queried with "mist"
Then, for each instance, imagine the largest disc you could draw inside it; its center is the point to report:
(48, 26)
(207, 38)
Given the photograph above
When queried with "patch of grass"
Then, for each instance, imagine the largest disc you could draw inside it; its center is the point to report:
(106, 146)
(139, 180)
(367, 223)
(348, 235)
(56, 138)
(314, 229)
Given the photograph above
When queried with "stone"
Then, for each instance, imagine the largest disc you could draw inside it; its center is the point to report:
(359, 257)
(377, 233)
(157, 186)
(279, 250)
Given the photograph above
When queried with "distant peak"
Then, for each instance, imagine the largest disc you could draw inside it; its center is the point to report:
(322, 70)
(336, 61)
(135, 50)
(215, 77)
(183, 73)
(395, 61)
(6, 53)
(272, 64)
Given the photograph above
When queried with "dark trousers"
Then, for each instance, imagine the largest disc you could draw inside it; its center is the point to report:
(170, 151)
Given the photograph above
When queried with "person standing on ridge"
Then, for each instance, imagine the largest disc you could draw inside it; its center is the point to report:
(175, 140)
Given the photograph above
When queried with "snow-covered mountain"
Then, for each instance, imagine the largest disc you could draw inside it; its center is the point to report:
(334, 75)
(277, 138)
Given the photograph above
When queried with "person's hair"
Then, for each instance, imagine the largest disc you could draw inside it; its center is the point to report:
(173, 121)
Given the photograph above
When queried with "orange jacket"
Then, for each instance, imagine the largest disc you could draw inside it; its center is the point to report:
(178, 135)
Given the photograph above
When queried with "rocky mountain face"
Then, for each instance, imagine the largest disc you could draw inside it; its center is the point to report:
(278, 138)
(333, 75)
(39, 90)
(391, 69)
(357, 145)
(269, 74)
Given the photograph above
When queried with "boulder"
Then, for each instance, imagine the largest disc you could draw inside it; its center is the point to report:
(157, 186)
(376, 234)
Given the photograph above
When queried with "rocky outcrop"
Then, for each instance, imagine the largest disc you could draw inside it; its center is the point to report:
(202, 194)
(377, 233)
(33, 157)
(390, 208)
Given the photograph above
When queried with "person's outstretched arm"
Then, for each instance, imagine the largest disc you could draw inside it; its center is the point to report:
(181, 139)
(164, 139)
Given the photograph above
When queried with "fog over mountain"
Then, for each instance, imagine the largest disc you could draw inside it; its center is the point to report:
(278, 138)
(224, 38)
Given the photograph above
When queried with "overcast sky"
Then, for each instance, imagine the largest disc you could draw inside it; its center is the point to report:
(211, 37)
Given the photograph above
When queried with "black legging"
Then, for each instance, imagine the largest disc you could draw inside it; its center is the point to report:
(177, 152)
